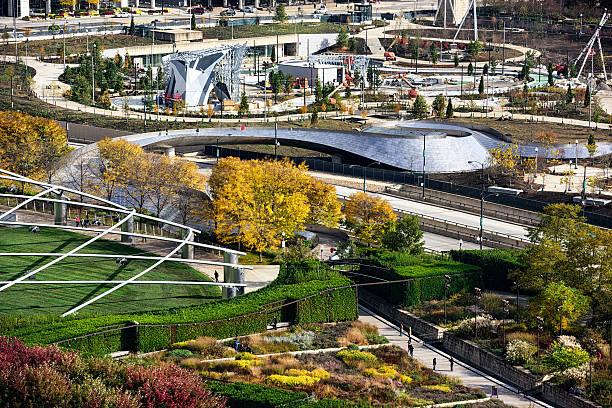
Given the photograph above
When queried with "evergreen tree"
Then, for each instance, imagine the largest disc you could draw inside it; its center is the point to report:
(132, 27)
(456, 60)
(481, 86)
(485, 69)
(569, 96)
(342, 39)
(244, 104)
(420, 108)
(587, 96)
(551, 79)
(433, 53)
(449, 108)
(470, 70)
(280, 15)
(314, 117)
(439, 105)
(273, 54)
(193, 21)
(318, 91)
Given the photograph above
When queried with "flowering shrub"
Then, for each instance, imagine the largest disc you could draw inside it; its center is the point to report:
(320, 373)
(519, 352)
(485, 325)
(246, 356)
(569, 341)
(347, 355)
(382, 371)
(292, 381)
(573, 376)
(49, 376)
(405, 379)
(439, 387)
(560, 358)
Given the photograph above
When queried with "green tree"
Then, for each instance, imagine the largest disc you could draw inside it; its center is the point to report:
(439, 105)
(193, 21)
(587, 95)
(342, 39)
(433, 53)
(404, 235)
(481, 87)
(243, 108)
(280, 15)
(573, 71)
(559, 305)
(456, 60)
(569, 96)
(420, 110)
(551, 79)
(470, 69)
(449, 108)
(475, 49)
(273, 54)
(132, 26)
(485, 69)
(352, 44)
(314, 117)
(318, 91)
(277, 79)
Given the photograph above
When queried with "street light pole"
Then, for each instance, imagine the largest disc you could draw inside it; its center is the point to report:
(423, 191)
(364, 174)
(93, 76)
(576, 151)
(275, 137)
(482, 197)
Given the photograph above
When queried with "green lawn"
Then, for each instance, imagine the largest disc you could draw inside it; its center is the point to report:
(57, 299)
(264, 30)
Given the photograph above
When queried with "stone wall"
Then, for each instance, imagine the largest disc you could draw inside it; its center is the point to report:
(423, 329)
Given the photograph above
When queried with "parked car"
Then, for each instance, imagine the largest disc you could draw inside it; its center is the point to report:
(123, 14)
(248, 9)
(321, 10)
(228, 12)
(198, 10)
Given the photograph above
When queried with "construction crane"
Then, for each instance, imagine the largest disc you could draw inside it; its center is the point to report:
(588, 51)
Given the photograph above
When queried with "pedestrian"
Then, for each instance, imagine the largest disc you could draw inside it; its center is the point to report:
(275, 322)
(77, 221)
(236, 344)
(86, 220)
(434, 363)
(452, 362)
(216, 276)
(411, 349)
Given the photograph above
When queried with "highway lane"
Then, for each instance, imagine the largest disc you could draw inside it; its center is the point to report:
(471, 220)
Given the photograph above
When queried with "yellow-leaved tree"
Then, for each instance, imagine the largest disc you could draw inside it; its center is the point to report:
(255, 202)
(116, 156)
(31, 146)
(188, 187)
(368, 216)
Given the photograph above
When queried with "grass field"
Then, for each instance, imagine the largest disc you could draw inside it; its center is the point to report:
(57, 299)
(264, 30)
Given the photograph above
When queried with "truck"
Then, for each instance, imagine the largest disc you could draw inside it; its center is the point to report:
(389, 56)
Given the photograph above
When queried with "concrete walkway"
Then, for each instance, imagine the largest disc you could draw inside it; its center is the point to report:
(470, 376)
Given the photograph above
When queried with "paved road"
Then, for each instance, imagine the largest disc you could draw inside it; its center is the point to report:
(470, 220)
(469, 375)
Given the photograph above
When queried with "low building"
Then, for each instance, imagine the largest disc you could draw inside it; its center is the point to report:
(325, 73)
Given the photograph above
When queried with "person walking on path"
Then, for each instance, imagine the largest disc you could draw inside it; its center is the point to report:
(434, 364)
(216, 276)
(411, 349)
(452, 362)
(77, 221)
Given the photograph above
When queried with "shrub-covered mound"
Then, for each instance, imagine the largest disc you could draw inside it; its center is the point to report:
(51, 377)
(305, 292)
(428, 272)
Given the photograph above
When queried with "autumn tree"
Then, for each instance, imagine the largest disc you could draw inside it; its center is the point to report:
(31, 146)
(559, 305)
(188, 196)
(369, 216)
(255, 202)
(116, 155)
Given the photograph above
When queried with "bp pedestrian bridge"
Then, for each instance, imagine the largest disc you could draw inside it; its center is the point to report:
(396, 144)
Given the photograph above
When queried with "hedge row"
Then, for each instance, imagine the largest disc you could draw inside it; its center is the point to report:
(244, 395)
(495, 264)
(157, 330)
(428, 272)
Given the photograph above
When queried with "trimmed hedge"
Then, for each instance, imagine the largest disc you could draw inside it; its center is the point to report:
(244, 395)
(157, 330)
(495, 264)
(429, 269)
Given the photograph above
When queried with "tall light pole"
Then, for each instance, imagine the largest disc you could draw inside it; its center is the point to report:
(482, 196)
(504, 49)
(93, 76)
(576, 151)
(580, 23)
(423, 190)
(364, 174)
(275, 136)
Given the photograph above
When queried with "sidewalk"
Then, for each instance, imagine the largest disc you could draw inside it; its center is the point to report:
(469, 375)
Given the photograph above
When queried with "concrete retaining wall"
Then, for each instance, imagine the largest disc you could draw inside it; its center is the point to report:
(467, 204)
(419, 327)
